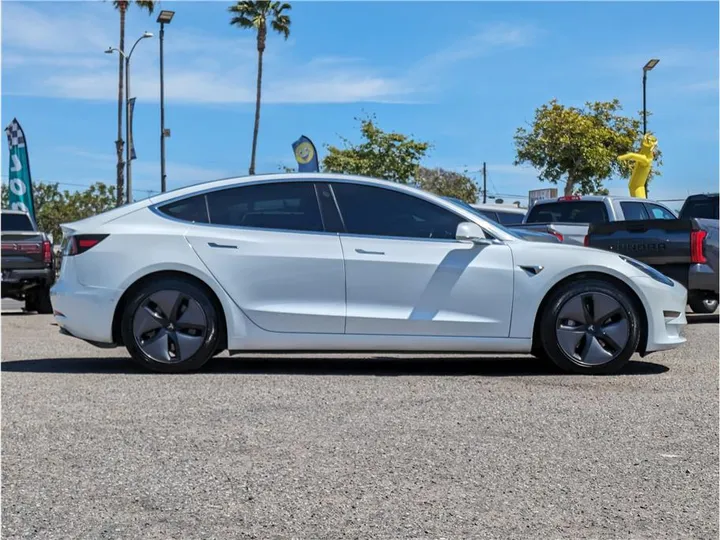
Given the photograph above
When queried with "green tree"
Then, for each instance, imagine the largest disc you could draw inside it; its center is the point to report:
(447, 184)
(54, 207)
(580, 146)
(122, 6)
(389, 155)
(255, 16)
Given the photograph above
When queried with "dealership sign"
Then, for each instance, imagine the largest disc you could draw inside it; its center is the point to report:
(538, 194)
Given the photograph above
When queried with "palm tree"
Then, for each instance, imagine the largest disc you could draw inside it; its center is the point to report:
(255, 16)
(121, 6)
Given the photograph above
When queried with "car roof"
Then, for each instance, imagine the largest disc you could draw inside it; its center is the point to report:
(500, 208)
(600, 198)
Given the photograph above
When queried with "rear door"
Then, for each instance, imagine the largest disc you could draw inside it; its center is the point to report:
(407, 275)
(267, 246)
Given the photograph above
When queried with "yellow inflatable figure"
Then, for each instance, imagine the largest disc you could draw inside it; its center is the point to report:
(643, 163)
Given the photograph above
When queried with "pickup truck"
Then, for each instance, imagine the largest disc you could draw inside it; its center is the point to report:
(569, 217)
(481, 210)
(28, 262)
(683, 249)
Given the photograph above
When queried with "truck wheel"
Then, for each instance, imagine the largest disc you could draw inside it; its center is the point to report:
(703, 305)
(590, 327)
(39, 301)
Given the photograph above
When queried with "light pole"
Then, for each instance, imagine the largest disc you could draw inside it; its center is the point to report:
(128, 165)
(647, 67)
(164, 18)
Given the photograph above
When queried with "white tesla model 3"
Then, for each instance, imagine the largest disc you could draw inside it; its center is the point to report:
(317, 262)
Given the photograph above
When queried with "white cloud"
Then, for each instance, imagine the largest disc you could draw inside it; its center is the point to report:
(59, 54)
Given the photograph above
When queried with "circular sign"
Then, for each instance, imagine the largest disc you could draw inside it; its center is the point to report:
(304, 153)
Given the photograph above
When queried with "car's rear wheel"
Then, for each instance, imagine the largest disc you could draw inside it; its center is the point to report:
(170, 326)
(702, 304)
(590, 327)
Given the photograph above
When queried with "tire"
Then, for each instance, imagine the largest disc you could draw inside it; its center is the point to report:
(39, 300)
(703, 305)
(590, 327)
(170, 326)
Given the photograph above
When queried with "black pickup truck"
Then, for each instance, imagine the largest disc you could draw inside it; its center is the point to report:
(28, 262)
(685, 249)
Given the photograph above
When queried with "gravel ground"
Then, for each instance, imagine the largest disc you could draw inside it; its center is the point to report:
(355, 447)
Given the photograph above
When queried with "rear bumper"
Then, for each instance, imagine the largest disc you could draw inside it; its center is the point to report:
(84, 312)
(702, 278)
(665, 309)
(19, 276)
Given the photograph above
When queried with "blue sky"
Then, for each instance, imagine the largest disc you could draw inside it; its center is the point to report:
(462, 76)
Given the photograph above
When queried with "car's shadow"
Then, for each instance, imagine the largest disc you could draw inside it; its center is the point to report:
(376, 366)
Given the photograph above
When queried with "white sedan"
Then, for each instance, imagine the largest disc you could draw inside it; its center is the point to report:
(320, 262)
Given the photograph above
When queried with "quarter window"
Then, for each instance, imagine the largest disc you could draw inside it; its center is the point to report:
(376, 211)
(192, 209)
(290, 206)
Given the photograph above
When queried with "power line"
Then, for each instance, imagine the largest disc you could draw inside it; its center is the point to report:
(149, 191)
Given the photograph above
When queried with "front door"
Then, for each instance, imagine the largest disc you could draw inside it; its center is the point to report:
(407, 275)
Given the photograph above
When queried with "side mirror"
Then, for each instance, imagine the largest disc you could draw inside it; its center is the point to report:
(471, 233)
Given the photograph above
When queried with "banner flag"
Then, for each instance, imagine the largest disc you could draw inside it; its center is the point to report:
(20, 193)
(305, 155)
(131, 142)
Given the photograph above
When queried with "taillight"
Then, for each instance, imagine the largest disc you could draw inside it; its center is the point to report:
(83, 242)
(557, 235)
(47, 252)
(697, 253)
(586, 241)
(569, 198)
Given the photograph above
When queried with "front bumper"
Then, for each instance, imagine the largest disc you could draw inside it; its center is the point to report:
(665, 309)
(84, 312)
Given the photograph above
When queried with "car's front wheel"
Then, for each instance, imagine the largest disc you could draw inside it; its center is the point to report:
(590, 327)
(170, 326)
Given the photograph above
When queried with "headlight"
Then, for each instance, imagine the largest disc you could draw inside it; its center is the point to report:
(649, 270)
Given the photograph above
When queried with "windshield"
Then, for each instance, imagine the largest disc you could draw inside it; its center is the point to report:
(16, 222)
(477, 212)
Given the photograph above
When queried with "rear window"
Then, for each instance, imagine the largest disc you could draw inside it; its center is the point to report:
(510, 218)
(16, 222)
(568, 212)
(703, 208)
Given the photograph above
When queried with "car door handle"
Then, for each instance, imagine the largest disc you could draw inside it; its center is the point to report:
(227, 246)
(367, 252)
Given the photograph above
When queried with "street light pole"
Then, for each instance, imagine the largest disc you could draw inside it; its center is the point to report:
(128, 165)
(164, 18)
(647, 67)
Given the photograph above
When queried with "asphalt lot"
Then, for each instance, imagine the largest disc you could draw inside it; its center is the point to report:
(353, 447)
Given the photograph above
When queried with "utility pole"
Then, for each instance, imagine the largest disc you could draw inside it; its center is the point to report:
(484, 183)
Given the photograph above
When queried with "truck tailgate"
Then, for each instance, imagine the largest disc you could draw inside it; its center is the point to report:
(655, 242)
(22, 250)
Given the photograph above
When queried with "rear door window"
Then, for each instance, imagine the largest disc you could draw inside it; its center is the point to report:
(634, 211)
(569, 212)
(285, 205)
